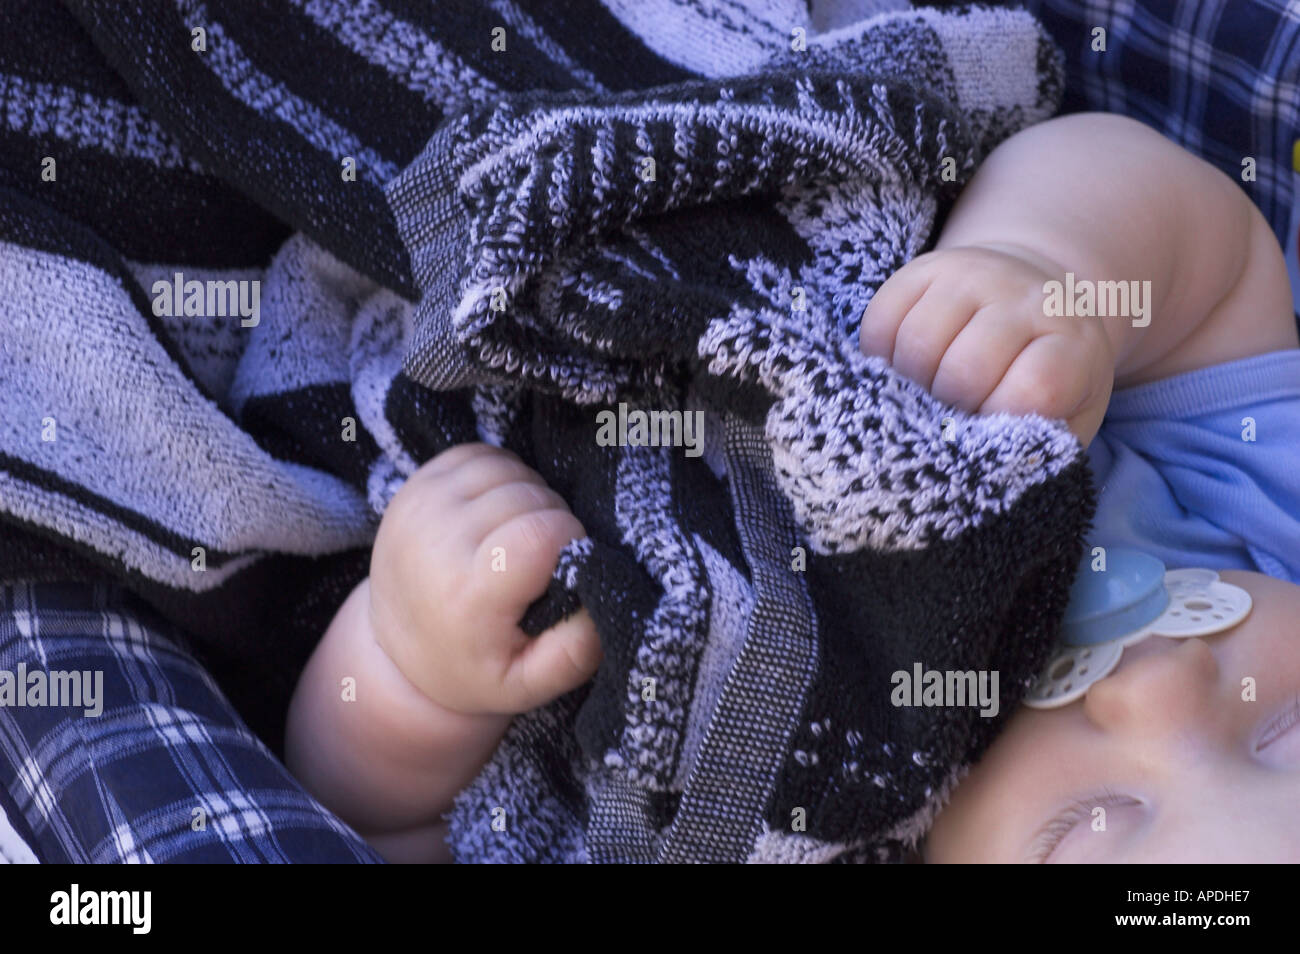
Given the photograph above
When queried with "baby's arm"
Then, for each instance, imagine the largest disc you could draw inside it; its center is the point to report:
(390, 762)
(432, 644)
(1108, 199)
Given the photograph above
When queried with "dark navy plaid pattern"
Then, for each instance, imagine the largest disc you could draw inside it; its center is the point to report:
(166, 773)
(1219, 77)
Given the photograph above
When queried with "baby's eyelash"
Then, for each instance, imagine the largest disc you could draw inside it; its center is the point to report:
(1283, 723)
(1053, 833)
(1050, 836)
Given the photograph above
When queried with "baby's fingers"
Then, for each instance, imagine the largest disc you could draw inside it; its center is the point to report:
(557, 661)
(890, 305)
(979, 357)
(927, 332)
(515, 561)
(1049, 377)
(1057, 376)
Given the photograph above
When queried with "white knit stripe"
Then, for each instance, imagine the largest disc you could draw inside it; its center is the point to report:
(822, 135)
(731, 601)
(830, 15)
(211, 346)
(712, 37)
(250, 86)
(814, 136)
(495, 409)
(860, 233)
(402, 49)
(122, 130)
(521, 22)
(823, 386)
(653, 734)
(383, 482)
(774, 18)
(309, 303)
(638, 235)
(88, 526)
(379, 334)
(1004, 42)
(131, 428)
(791, 848)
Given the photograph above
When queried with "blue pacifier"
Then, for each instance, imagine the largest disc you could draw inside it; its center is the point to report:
(1132, 598)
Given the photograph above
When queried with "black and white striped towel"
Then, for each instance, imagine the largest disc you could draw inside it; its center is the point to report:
(504, 264)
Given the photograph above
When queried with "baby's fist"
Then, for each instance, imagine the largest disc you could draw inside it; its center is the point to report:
(469, 541)
(968, 324)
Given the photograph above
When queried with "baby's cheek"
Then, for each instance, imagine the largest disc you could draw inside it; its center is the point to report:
(995, 808)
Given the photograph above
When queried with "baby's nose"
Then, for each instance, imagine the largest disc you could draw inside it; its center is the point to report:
(1160, 684)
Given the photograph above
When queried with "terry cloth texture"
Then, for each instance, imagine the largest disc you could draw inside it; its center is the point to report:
(676, 207)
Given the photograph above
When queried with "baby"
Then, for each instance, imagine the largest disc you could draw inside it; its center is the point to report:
(1184, 767)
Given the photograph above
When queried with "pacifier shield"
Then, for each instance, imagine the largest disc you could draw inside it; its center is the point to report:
(1196, 603)
(1190, 576)
(1070, 673)
(1199, 610)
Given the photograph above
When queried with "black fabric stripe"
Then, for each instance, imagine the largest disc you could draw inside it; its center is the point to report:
(704, 504)
(256, 153)
(287, 45)
(42, 42)
(558, 440)
(620, 60)
(428, 422)
(51, 482)
(145, 212)
(467, 32)
(306, 426)
(881, 612)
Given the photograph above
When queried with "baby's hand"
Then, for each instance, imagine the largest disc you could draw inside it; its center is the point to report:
(968, 325)
(469, 541)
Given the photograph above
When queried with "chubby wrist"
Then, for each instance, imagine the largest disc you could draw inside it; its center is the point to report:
(393, 638)
(368, 743)
(396, 655)
(380, 639)
(1051, 267)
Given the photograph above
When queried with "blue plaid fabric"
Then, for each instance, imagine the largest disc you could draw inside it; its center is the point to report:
(1219, 77)
(166, 773)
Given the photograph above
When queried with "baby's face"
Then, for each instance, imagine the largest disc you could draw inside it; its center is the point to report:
(1185, 769)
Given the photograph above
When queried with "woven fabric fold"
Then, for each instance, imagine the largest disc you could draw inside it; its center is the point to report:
(448, 242)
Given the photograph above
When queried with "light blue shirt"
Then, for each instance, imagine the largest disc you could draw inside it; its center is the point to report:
(1179, 476)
